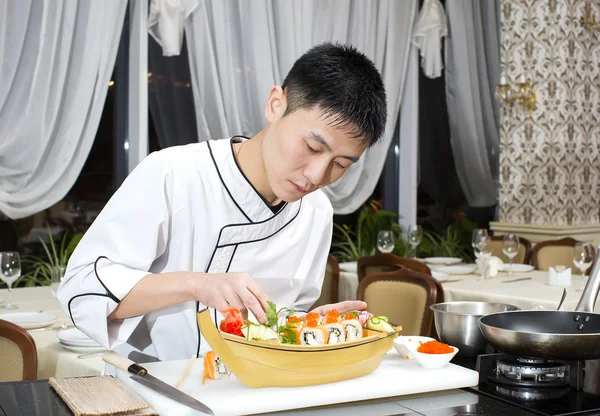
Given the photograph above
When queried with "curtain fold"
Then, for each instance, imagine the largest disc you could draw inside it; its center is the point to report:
(233, 65)
(472, 70)
(56, 59)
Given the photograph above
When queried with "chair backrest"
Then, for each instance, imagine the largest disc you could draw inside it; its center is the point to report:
(18, 357)
(522, 257)
(550, 253)
(404, 296)
(386, 262)
(331, 283)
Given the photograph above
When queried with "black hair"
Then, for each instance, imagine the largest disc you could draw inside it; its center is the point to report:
(344, 84)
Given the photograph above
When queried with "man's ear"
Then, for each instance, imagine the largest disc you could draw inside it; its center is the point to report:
(276, 104)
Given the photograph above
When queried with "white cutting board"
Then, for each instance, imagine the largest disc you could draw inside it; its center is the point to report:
(396, 376)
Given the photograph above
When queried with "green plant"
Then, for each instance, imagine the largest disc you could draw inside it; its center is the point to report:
(455, 242)
(352, 243)
(41, 269)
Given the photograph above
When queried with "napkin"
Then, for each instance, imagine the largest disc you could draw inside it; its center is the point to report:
(559, 276)
(489, 266)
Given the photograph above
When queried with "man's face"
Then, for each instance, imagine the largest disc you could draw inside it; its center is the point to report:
(303, 152)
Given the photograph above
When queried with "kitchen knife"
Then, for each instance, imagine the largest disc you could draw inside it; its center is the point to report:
(140, 374)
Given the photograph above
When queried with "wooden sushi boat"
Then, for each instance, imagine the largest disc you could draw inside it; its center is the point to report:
(268, 363)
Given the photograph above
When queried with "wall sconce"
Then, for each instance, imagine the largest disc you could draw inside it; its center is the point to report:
(522, 93)
(588, 20)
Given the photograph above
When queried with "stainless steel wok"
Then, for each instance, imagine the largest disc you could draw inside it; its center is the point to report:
(550, 334)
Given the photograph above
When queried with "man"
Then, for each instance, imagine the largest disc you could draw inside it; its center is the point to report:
(230, 222)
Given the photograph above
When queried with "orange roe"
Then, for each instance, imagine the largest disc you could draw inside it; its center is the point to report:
(349, 316)
(311, 323)
(407, 357)
(435, 347)
(332, 316)
(312, 315)
(293, 319)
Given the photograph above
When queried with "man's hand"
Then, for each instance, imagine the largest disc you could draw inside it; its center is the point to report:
(240, 290)
(342, 307)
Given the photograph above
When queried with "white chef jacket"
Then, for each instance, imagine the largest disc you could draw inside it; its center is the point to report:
(190, 208)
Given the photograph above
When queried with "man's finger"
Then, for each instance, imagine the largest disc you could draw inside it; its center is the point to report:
(260, 295)
(253, 305)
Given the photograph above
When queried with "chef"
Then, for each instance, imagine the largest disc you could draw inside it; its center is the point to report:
(230, 222)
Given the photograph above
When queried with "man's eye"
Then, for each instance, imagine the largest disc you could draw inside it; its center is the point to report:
(340, 165)
(311, 149)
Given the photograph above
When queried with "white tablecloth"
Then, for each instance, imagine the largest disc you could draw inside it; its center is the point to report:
(53, 360)
(525, 294)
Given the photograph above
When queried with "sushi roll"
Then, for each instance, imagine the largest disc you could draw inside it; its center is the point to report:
(313, 334)
(335, 329)
(293, 324)
(214, 367)
(352, 327)
(335, 332)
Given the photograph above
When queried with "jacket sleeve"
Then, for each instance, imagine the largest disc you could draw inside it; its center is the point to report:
(117, 251)
(316, 260)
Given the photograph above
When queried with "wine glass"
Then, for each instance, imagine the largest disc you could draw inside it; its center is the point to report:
(510, 248)
(583, 257)
(478, 234)
(385, 241)
(483, 251)
(414, 236)
(10, 271)
(56, 276)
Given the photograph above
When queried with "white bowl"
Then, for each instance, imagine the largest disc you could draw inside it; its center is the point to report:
(434, 360)
(405, 345)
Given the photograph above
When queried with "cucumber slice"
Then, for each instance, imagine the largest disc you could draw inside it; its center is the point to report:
(376, 323)
(259, 332)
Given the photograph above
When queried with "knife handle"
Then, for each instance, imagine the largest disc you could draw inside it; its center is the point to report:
(123, 363)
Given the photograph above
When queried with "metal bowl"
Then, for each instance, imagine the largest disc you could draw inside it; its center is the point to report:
(457, 324)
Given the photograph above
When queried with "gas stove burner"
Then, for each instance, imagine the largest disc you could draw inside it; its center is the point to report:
(531, 373)
(530, 394)
(530, 360)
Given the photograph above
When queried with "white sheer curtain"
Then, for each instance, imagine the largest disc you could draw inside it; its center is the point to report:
(472, 70)
(56, 59)
(239, 49)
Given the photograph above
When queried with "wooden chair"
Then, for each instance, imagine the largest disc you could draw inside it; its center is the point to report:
(555, 252)
(404, 296)
(385, 262)
(331, 283)
(522, 257)
(18, 354)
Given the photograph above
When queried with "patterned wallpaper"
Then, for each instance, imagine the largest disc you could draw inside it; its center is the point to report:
(550, 165)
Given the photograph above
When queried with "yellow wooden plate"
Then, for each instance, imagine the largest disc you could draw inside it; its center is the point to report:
(262, 364)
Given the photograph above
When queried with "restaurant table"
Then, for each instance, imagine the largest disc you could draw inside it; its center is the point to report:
(37, 398)
(53, 360)
(533, 293)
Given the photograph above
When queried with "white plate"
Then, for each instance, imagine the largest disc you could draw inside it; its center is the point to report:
(440, 276)
(83, 350)
(75, 338)
(457, 269)
(442, 260)
(29, 320)
(517, 268)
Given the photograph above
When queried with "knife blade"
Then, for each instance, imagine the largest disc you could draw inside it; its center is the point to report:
(141, 375)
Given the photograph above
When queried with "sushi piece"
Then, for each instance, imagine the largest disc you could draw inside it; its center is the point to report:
(313, 334)
(335, 333)
(290, 333)
(214, 367)
(335, 330)
(352, 327)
